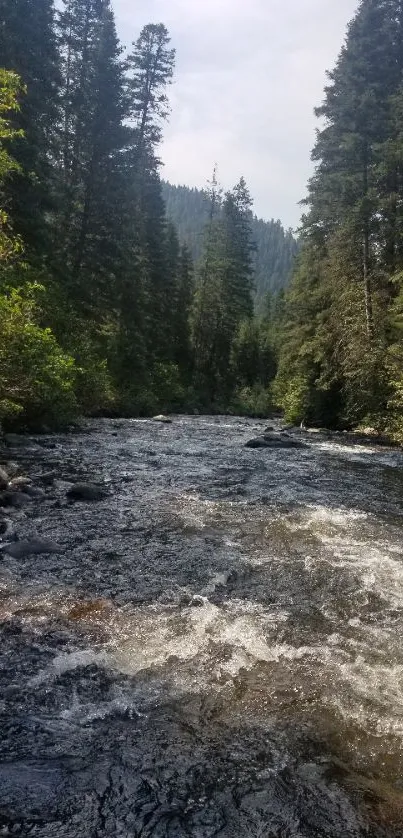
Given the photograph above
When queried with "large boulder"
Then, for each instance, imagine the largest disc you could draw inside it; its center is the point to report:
(275, 439)
(164, 420)
(86, 492)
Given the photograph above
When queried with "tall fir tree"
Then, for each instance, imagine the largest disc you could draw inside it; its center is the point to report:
(93, 136)
(28, 47)
(333, 365)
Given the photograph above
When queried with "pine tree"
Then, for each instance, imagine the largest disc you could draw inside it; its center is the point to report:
(150, 70)
(93, 136)
(332, 365)
(181, 318)
(224, 290)
(28, 47)
(151, 67)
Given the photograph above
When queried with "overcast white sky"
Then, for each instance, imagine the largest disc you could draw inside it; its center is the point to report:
(248, 75)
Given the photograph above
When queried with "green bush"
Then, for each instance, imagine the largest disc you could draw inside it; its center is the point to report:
(94, 388)
(252, 401)
(37, 378)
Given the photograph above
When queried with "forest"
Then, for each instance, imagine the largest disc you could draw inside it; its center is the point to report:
(274, 251)
(108, 306)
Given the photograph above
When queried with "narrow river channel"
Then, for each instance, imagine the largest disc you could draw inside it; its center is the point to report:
(218, 648)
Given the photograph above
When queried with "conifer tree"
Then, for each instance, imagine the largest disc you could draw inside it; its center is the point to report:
(93, 137)
(28, 47)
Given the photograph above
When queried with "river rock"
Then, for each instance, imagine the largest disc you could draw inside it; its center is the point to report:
(86, 492)
(198, 601)
(6, 527)
(165, 420)
(20, 483)
(16, 499)
(3, 478)
(33, 547)
(274, 440)
(12, 469)
(34, 492)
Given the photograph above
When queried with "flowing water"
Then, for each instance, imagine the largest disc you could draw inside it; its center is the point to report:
(219, 649)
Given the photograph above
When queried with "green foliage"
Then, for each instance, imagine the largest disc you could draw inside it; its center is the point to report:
(36, 377)
(252, 354)
(125, 324)
(341, 347)
(252, 401)
(223, 296)
(10, 90)
(94, 388)
(275, 248)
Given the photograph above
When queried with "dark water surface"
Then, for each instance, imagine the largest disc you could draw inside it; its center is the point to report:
(271, 706)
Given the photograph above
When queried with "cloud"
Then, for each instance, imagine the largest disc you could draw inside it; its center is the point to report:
(248, 76)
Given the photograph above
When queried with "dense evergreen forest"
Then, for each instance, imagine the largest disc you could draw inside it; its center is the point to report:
(103, 308)
(341, 356)
(275, 247)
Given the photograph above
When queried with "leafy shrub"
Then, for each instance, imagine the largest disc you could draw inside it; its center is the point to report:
(36, 377)
(253, 401)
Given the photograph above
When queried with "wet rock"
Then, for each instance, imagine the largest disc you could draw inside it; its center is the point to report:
(47, 477)
(198, 601)
(33, 547)
(12, 469)
(165, 420)
(34, 492)
(62, 485)
(6, 527)
(275, 440)
(20, 483)
(15, 499)
(3, 478)
(86, 492)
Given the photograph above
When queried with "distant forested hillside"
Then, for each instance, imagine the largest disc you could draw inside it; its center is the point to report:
(276, 247)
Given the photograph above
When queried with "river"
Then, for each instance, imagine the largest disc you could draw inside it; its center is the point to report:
(218, 651)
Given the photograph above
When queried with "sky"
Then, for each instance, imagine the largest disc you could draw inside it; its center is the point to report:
(249, 74)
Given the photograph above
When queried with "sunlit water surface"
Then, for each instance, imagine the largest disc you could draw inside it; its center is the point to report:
(219, 649)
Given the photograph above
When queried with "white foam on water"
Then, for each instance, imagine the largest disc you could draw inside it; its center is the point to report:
(337, 448)
(198, 512)
(85, 713)
(170, 643)
(380, 568)
(68, 662)
(380, 684)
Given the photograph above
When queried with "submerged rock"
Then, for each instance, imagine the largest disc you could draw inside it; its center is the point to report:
(165, 420)
(34, 492)
(274, 440)
(86, 492)
(20, 483)
(35, 546)
(16, 499)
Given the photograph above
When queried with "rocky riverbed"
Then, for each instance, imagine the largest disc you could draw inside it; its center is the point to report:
(210, 644)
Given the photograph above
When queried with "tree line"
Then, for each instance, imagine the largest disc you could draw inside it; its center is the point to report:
(102, 309)
(341, 355)
(275, 248)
